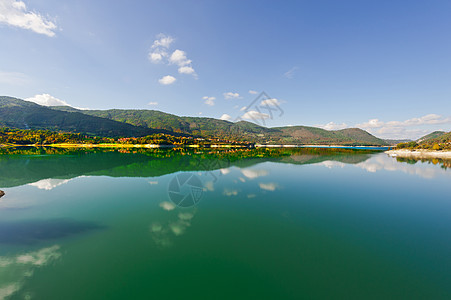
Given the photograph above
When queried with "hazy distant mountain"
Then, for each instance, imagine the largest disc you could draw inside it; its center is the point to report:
(17, 113)
(396, 142)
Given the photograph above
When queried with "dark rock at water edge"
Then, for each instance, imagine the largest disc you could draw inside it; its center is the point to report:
(2, 193)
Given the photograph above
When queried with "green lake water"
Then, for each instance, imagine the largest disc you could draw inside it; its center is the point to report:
(257, 224)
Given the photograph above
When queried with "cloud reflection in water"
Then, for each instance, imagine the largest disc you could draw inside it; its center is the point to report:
(383, 162)
(15, 269)
(176, 223)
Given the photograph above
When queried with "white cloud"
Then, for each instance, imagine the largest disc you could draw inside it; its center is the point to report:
(225, 117)
(159, 48)
(179, 58)
(268, 186)
(166, 80)
(410, 128)
(47, 100)
(209, 100)
(186, 70)
(255, 115)
(152, 103)
(270, 102)
(333, 126)
(157, 57)
(231, 95)
(15, 13)
(252, 92)
(14, 78)
(373, 123)
(290, 73)
(431, 119)
(159, 54)
(162, 41)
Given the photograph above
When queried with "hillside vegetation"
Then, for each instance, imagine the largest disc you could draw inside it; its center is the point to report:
(20, 114)
(434, 141)
(241, 131)
(9, 136)
(431, 136)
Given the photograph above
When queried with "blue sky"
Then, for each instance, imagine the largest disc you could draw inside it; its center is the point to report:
(383, 66)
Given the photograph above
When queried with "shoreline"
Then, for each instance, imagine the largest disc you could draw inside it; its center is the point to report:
(114, 145)
(444, 154)
(123, 146)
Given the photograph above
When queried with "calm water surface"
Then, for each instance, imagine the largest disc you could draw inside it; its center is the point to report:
(170, 224)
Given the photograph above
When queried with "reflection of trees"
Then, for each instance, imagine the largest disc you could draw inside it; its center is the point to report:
(444, 163)
(27, 165)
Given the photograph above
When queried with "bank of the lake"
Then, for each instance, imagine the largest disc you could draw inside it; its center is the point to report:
(420, 153)
(120, 145)
(115, 145)
(381, 148)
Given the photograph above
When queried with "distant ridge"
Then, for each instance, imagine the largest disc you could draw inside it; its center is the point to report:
(17, 113)
(396, 142)
(241, 130)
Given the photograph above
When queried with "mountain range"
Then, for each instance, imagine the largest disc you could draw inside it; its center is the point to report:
(17, 113)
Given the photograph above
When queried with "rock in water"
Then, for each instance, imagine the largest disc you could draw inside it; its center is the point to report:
(2, 193)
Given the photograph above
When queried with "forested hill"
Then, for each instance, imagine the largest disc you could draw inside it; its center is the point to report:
(242, 130)
(17, 113)
(437, 140)
(431, 136)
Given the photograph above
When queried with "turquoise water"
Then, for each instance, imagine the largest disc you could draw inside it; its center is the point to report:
(306, 224)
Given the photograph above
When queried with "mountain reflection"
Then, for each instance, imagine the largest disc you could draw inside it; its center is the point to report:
(46, 168)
